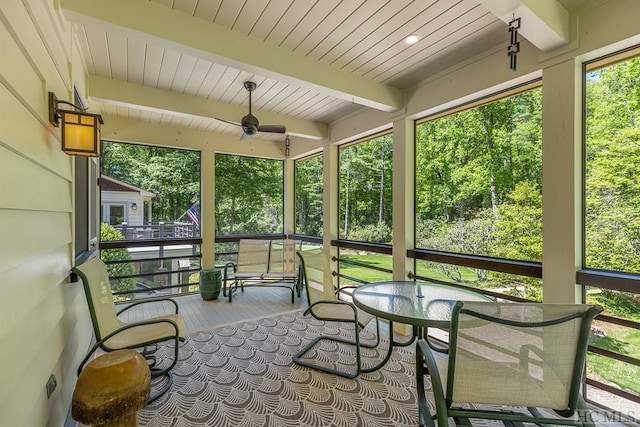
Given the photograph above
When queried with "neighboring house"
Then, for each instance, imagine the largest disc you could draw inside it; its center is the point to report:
(122, 202)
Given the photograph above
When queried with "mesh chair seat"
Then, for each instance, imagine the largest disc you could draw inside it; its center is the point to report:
(509, 354)
(146, 334)
(264, 263)
(330, 308)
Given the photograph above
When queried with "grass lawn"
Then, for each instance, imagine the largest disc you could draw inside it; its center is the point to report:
(367, 274)
(625, 375)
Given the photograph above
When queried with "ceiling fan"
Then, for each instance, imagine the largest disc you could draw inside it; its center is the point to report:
(249, 123)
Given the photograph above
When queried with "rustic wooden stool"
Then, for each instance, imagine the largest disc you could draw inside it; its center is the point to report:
(111, 389)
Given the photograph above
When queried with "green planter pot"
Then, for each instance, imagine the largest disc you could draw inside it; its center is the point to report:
(210, 283)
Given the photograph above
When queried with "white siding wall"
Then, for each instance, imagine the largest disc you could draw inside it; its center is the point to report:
(44, 323)
(133, 217)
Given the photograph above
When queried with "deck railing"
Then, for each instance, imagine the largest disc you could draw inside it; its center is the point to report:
(163, 266)
(148, 268)
(161, 230)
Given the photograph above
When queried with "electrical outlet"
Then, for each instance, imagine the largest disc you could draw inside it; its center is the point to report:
(51, 385)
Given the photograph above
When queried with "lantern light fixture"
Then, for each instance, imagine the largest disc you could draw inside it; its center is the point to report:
(80, 130)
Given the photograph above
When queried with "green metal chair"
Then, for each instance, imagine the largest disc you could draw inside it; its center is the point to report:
(113, 334)
(330, 308)
(525, 360)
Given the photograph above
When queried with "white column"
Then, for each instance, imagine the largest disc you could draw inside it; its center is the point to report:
(561, 182)
(289, 197)
(330, 224)
(208, 208)
(403, 197)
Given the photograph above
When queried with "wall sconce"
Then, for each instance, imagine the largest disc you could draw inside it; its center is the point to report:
(80, 130)
(134, 206)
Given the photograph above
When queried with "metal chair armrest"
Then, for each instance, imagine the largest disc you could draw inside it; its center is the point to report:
(124, 328)
(133, 304)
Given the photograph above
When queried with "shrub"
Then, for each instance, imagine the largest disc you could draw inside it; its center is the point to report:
(107, 232)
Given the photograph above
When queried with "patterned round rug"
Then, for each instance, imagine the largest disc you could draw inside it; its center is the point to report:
(243, 375)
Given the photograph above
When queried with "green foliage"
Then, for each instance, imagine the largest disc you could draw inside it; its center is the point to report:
(518, 226)
(470, 161)
(620, 304)
(612, 223)
(379, 232)
(173, 175)
(249, 195)
(365, 197)
(308, 196)
(107, 232)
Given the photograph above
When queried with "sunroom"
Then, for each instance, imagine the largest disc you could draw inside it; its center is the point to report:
(496, 150)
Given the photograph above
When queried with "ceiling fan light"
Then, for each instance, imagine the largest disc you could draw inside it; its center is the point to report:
(250, 129)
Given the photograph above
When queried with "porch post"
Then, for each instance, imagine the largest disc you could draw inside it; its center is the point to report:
(207, 209)
(403, 197)
(288, 197)
(330, 209)
(561, 182)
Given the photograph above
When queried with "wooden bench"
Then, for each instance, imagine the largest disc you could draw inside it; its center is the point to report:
(264, 263)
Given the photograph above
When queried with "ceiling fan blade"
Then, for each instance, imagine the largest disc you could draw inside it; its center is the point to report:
(272, 128)
(244, 136)
(227, 121)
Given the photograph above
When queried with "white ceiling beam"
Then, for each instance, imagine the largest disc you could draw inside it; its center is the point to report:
(117, 92)
(545, 23)
(126, 130)
(158, 24)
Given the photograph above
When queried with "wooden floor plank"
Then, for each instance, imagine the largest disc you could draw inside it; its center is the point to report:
(202, 315)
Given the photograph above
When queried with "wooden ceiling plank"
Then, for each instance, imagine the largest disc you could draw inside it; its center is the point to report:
(200, 72)
(317, 16)
(294, 13)
(99, 51)
(449, 25)
(193, 36)
(249, 15)
(379, 25)
(228, 12)
(427, 21)
(270, 18)
(183, 72)
(447, 42)
(210, 80)
(225, 81)
(292, 107)
(170, 61)
(152, 64)
(83, 43)
(186, 6)
(344, 31)
(135, 61)
(207, 9)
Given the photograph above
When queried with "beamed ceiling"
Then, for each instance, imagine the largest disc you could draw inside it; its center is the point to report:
(183, 62)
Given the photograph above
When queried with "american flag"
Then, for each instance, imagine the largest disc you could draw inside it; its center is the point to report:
(192, 213)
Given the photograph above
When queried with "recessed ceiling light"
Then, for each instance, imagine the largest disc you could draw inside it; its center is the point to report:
(412, 39)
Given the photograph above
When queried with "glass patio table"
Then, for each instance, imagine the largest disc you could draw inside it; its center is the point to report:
(419, 304)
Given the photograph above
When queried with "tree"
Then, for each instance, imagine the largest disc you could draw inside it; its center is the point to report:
(365, 188)
(309, 195)
(467, 166)
(249, 195)
(172, 174)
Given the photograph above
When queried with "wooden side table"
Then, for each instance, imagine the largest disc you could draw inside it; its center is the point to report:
(111, 389)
